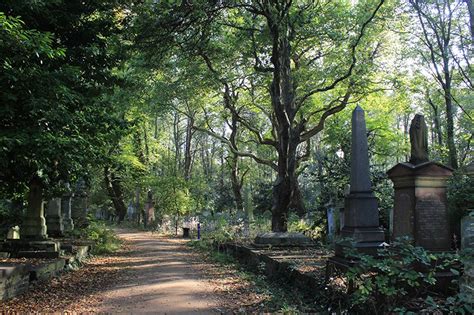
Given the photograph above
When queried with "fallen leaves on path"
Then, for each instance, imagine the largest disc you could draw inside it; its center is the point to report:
(75, 291)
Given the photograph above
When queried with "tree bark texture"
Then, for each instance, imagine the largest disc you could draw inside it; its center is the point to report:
(115, 192)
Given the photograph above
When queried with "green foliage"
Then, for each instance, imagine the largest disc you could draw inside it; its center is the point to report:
(106, 241)
(56, 59)
(386, 282)
(460, 197)
(296, 224)
(11, 214)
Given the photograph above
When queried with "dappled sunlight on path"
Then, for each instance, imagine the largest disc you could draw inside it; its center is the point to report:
(159, 277)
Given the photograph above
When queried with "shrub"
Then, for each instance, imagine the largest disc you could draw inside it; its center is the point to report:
(106, 241)
(460, 198)
(385, 283)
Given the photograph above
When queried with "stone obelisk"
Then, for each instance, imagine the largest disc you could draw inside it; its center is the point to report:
(361, 214)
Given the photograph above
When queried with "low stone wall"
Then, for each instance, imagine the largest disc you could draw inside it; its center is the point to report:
(278, 266)
(15, 278)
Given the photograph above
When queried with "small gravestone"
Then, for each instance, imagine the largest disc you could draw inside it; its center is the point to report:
(420, 207)
(13, 233)
(54, 221)
(131, 211)
(467, 245)
(66, 200)
(150, 208)
(332, 221)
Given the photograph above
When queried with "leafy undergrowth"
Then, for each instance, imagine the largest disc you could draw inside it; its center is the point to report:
(76, 291)
(250, 292)
(105, 239)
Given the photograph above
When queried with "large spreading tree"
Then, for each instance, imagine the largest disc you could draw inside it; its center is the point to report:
(303, 61)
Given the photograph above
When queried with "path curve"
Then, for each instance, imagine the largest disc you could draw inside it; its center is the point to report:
(159, 277)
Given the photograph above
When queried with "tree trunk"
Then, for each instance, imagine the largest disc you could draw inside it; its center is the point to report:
(283, 103)
(115, 192)
(470, 8)
(436, 122)
(297, 202)
(187, 149)
(236, 183)
(452, 153)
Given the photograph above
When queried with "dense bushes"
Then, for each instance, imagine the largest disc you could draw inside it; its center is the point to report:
(106, 241)
(401, 278)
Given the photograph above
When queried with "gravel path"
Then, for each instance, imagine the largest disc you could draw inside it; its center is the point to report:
(159, 277)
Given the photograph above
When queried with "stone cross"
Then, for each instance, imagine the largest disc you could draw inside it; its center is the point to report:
(418, 140)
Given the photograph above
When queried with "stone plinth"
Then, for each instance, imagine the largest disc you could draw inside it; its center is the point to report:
(420, 207)
(34, 226)
(282, 239)
(54, 219)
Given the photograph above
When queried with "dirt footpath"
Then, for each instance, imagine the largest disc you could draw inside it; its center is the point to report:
(158, 277)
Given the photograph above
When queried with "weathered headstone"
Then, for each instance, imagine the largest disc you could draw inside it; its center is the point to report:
(13, 233)
(54, 220)
(331, 218)
(131, 211)
(150, 208)
(418, 140)
(79, 204)
(66, 199)
(361, 214)
(420, 207)
(467, 244)
(34, 226)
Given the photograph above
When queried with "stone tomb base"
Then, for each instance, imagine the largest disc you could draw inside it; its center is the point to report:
(282, 239)
(31, 249)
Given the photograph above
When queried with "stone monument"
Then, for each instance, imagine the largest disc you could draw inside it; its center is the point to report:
(150, 208)
(79, 204)
(420, 207)
(332, 221)
(54, 220)
(34, 226)
(33, 242)
(68, 223)
(361, 214)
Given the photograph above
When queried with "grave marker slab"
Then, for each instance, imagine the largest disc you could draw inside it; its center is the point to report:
(54, 220)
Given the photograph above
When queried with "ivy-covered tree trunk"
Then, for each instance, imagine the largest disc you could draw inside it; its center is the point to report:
(115, 192)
